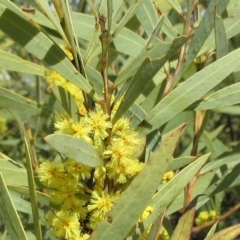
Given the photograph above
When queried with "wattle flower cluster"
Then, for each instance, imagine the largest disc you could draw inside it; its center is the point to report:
(77, 191)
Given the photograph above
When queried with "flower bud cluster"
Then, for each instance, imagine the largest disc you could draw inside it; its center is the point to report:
(205, 216)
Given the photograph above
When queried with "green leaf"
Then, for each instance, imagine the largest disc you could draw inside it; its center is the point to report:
(147, 16)
(75, 148)
(156, 30)
(42, 197)
(226, 158)
(225, 97)
(125, 19)
(176, 6)
(220, 37)
(9, 213)
(157, 51)
(67, 24)
(211, 232)
(41, 46)
(203, 30)
(184, 226)
(23, 106)
(231, 28)
(144, 76)
(13, 173)
(126, 41)
(229, 179)
(44, 6)
(233, 7)
(229, 233)
(119, 222)
(164, 5)
(169, 30)
(31, 181)
(170, 190)
(191, 90)
(14, 63)
(180, 162)
(200, 187)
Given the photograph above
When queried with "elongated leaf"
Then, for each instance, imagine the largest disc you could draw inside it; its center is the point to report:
(220, 37)
(130, 13)
(39, 45)
(211, 232)
(225, 97)
(144, 76)
(233, 7)
(69, 28)
(229, 179)
(176, 6)
(75, 148)
(42, 197)
(44, 6)
(31, 180)
(191, 90)
(164, 5)
(228, 233)
(23, 106)
(156, 30)
(9, 213)
(13, 173)
(200, 187)
(231, 28)
(171, 190)
(205, 27)
(137, 196)
(126, 41)
(94, 46)
(147, 16)
(14, 63)
(169, 30)
(225, 158)
(157, 51)
(180, 162)
(184, 226)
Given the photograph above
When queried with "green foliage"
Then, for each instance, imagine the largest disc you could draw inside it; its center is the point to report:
(116, 117)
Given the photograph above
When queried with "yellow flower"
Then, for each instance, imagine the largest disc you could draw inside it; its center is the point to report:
(212, 215)
(66, 225)
(52, 174)
(167, 177)
(77, 94)
(77, 169)
(54, 77)
(128, 140)
(82, 130)
(100, 205)
(67, 51)
(67, 198)
(64, 125)
(148, 211)
(202, 218)
(121, 126)
(163, 235)
(99, 124)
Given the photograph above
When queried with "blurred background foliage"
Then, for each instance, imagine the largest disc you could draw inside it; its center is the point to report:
(220, 135)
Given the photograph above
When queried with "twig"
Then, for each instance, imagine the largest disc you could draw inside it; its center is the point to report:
(104, 38)
(186, 31)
